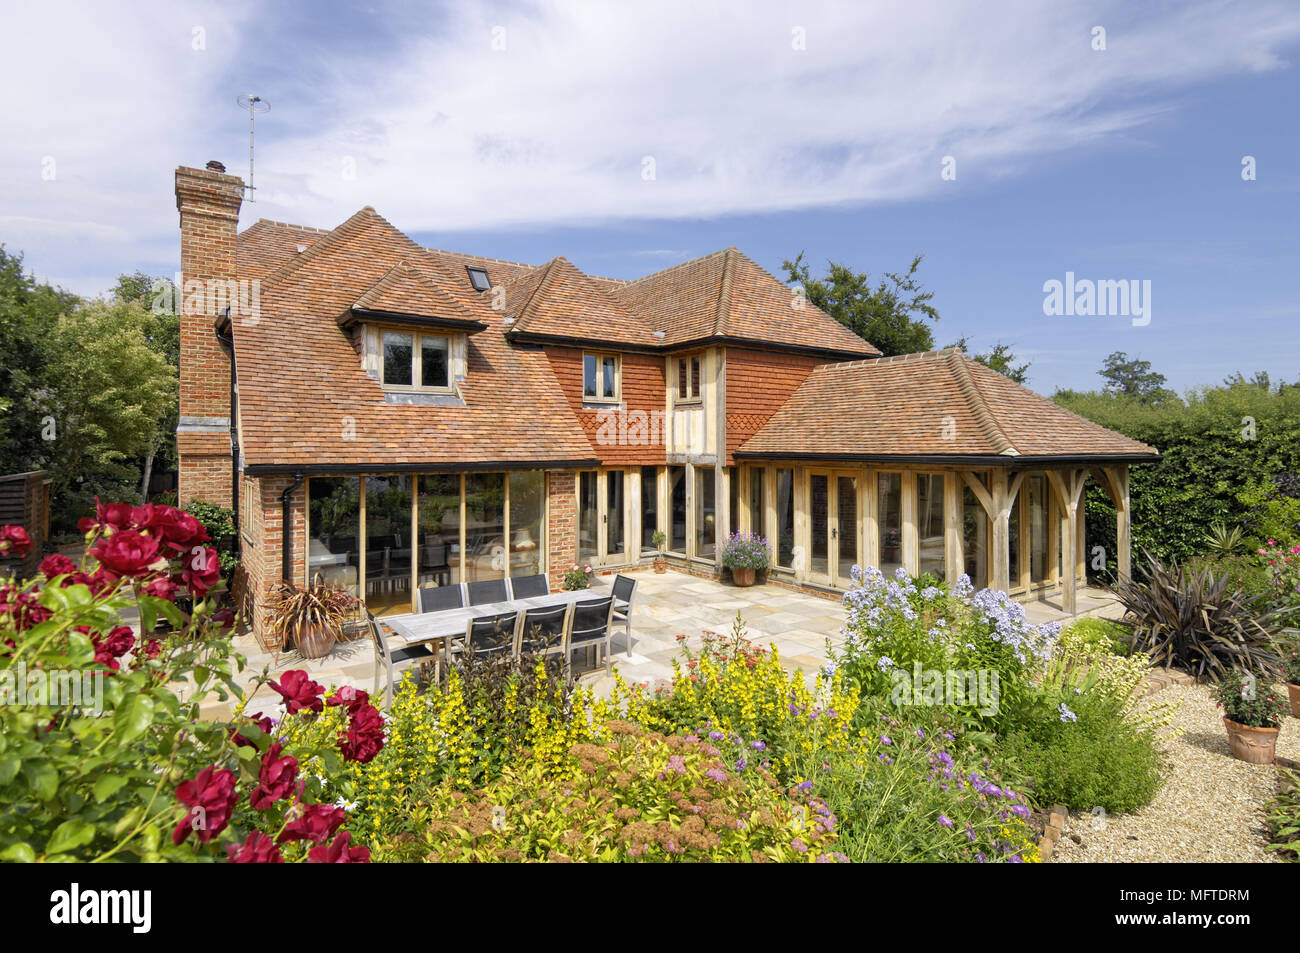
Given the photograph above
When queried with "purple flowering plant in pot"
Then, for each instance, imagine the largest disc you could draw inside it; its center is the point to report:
(745, 554)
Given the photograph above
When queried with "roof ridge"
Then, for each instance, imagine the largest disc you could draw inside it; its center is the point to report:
(680, 264)
(988, 423)
(723, 313)
(465, 254)
(548, 273)
(301, 228)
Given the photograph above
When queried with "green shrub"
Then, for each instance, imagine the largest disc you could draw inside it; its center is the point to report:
(1103, 634)
(1283, 814)
(219, 521)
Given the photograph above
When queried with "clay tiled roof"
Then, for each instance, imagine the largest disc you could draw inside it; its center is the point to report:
(305, 400)
(940, 403)
(726, 295)
(404, 290)
(559, 301)
(266, 245)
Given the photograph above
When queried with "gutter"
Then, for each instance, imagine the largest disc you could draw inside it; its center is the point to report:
(286, 528)
(983, 460)
(361, 469)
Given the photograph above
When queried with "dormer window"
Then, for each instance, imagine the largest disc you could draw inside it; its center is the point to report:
(478, 277)
(416, 361)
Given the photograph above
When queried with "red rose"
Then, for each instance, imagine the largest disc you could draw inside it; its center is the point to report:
(224, 618)
(316, 822)
(178, 530)
(126, 552)
(110, 648)
(56, 564)
(211, 797)
(162, 587)
(299, 692)
(24, 607)
(275, 779)
(14, 541)
(365, 735)
(153, 648)
(115, 515)
(202, 570)
(339, 852)
(258, 848)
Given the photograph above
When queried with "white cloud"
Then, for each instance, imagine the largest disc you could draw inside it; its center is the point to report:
(447, 133)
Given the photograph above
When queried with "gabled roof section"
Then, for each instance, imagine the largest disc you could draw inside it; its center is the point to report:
(935, 404)
(405, 293)
(558, 301)
(727, 296)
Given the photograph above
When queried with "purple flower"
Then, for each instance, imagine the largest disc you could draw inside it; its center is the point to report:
(717, 774)
(885, 740)
(758, 745)
(945, 820)
(799, 845)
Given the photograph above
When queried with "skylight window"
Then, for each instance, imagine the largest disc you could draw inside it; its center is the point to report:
(478, 277)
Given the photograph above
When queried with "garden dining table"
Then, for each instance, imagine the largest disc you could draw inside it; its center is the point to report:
(422, 628)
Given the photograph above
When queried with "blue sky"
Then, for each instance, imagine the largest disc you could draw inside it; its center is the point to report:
(522, 132)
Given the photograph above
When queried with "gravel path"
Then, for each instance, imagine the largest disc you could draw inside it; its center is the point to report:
(1211, 807)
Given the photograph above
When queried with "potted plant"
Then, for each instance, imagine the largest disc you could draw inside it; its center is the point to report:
(310, 617)
(1252, 714)
(745, 554)
(578, 577)
(1291, 672)
(660, 539)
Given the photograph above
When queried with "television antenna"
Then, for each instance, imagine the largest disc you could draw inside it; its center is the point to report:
(254, 104)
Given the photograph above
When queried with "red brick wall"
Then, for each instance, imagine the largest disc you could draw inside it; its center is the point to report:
(561, 525)
(208, 203)
(758, 383)
(262, 543)
(615, 441)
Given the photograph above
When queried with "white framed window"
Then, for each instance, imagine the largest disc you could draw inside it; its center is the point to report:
(601, 377)
(413, 360)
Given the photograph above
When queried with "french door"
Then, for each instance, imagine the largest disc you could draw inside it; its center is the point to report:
(602, 518)
(833, 521)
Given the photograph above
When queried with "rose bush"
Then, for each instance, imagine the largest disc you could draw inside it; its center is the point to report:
(104, 754)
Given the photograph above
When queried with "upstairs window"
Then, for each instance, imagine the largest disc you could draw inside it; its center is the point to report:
(688, 378)
(600, 377)
(416, 361)
(478, 277)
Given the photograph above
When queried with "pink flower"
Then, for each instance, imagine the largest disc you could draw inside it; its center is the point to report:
(258, 848)
(339, 852)
(14, 541)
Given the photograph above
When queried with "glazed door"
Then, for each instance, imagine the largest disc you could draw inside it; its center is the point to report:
(833, 521)
(602, 517)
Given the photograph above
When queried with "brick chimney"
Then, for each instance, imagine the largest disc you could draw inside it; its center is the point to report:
(208, 201)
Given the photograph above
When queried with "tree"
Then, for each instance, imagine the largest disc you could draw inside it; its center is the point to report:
(163, 334)
(110, 393)
(1133, 378)
(891, 316)
(1001, 359)
(28, 313)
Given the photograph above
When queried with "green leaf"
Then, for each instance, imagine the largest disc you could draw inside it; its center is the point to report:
(9, 766)
(131, 720)
(69, 836)
(19, 853)
(42, 777)
(108, 785)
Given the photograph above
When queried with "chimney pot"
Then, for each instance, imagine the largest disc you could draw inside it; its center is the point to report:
(215, 166)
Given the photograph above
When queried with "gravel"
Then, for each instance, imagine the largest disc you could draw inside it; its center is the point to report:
(1211, 807)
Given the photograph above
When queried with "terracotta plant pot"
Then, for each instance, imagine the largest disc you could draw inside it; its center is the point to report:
(314, 642)
(743, 577)
(661, 564)
(1253, 745)
(1294, 692)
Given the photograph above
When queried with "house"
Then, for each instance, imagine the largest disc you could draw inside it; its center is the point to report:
(393, 416)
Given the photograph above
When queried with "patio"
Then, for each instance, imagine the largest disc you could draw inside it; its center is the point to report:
(797, 622)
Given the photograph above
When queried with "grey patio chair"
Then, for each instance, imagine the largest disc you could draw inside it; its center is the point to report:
(589, 627)
(484, 591)
(442, 597)
(492, 635)
(526, 587)
(542, 630)
(393, 660)
(624, 593)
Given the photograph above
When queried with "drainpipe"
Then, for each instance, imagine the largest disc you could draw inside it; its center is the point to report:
(286, 527)
(229, 341)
